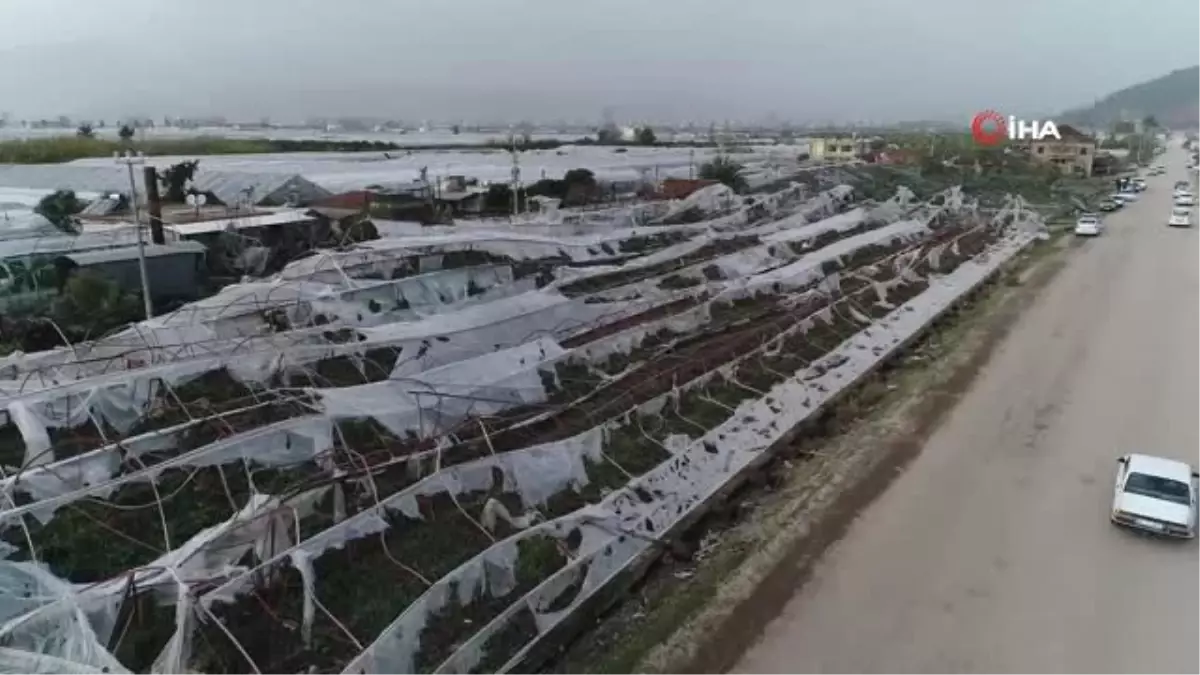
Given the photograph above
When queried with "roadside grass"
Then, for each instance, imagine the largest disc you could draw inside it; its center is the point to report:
(67, 148)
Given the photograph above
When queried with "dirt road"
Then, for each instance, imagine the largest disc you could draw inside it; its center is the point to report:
(994, 552)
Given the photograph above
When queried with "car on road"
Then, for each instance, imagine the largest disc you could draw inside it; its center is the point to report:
(1181, 216)
(1088, 225)
(1155, 495)
(1183, 198)
(1139, 184)
(1128, 196)
(1109, 205)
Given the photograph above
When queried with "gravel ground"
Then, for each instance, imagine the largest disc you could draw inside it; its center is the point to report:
(993, 552)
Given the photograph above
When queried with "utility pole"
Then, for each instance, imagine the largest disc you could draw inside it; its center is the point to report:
(130, 160)
(516, 178)
(692, 164)
(153, 205)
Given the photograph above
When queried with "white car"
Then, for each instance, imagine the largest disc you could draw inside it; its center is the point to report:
(1128, 197)
(1088, 226)
(1184, 199)
(1155, 495)
(1180, 217)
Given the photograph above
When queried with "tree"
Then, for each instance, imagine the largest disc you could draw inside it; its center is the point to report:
(126, 132)
(60, 208)
(91, 304)
(645, 136)
(580, 186)
(1150, 122)
(175, 179)
(608, 134)
(726, 171)
(85, 131)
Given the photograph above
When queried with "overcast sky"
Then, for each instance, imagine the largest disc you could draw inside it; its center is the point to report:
(803, 60)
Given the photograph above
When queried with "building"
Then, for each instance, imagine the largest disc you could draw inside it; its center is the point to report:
(679, 188)
(838, 148)
(175, 271)
(1073, 153)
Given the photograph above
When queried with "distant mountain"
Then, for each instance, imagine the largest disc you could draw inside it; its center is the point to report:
(1173, 99)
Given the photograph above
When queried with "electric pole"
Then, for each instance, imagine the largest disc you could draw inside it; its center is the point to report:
(130, 160)
(516, 178)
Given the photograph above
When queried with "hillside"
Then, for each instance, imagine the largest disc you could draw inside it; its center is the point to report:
(1171, 99)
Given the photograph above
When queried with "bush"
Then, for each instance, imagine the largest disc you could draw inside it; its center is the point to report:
(726, 171)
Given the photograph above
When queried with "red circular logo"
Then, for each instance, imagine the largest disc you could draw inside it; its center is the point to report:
(989, 128)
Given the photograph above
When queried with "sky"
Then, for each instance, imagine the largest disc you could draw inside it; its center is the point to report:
(546, 60)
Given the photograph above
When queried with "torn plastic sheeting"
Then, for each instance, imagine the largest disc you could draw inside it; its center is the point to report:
(485, 328)
(256, 359)
(710, 199)
(566, 275)
(520, 475)
(149, 341)
(65, 637)
(89, 468)
(120, 398)
(383, 255)
(605, 557)
(280, 444)
(432, 399)
(445, 287)
(389, 656)
(754, 426)
(394, 649)
(838, 223)
(19, 661)
(808, 268)
(262, 526)
(743, 263)
(629, 339)
(690, 478)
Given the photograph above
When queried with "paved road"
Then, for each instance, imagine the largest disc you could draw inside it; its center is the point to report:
(994, 552)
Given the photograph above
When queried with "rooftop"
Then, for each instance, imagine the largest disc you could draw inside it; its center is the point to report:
(289, 217)
(125, 253)
(1160, 466)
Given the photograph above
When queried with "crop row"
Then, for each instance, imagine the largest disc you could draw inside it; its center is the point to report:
(671, 494)
(383, 481)
(629, 451)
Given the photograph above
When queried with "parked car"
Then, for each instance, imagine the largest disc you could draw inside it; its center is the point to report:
(1185, 199)
(1138, 184)
(1127, 197)
(1180, 217)
(1109, 205)
(1155, 495)
(1088, 225)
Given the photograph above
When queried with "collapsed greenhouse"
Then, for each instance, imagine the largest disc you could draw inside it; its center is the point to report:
(426, 454)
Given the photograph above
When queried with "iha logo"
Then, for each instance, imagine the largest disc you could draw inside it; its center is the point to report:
(991, 128)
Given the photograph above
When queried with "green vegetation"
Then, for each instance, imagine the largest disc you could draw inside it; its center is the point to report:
(67, 148)
(175, 178)
(725, 170)
(59, 208)
(89, 306)
(1170, 99)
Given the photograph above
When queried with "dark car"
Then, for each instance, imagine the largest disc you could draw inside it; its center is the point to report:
(1109, 205)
